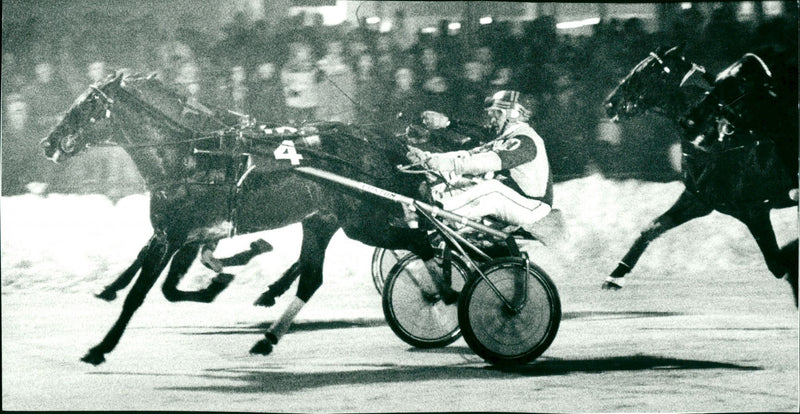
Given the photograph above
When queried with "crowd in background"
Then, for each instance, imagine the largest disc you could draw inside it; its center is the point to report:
(291, 72)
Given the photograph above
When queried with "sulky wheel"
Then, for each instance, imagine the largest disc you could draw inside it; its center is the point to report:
(382, 262)
(495, 332)
(413, 309)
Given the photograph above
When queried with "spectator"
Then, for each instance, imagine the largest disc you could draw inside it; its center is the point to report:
(96, 71)
(338, 89)
(17, 153)
(434, 85)
(470, 91)
(368, 96)
(402, 106)
(238, 88)
(385, 64)
(265, 100)
(48, 97)
(299, 80)
(188, 80)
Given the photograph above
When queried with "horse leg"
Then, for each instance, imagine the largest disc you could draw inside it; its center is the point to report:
(155, 259)
(239, 259)
(789, 254)
(317, 233)
(180, 265)
(779, 261)
(280, 286)
(686, 208)
(109, 292)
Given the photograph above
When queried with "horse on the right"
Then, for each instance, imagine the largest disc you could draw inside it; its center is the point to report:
(739, 145)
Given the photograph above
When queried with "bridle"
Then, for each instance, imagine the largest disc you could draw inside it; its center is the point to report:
(108, 105)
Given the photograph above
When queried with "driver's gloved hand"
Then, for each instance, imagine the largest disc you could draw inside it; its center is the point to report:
(434, 120)
(417, 156)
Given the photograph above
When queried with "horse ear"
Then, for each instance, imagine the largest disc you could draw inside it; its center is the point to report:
(679, 49)
(118, 77)
(152, 75)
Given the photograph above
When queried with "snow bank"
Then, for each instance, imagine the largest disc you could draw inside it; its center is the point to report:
(79, 243)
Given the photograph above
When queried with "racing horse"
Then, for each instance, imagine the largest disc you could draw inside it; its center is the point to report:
(736, 129)
(188, 208)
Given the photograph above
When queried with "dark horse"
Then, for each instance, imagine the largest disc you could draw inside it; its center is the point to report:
(202, 189)
(739, 145)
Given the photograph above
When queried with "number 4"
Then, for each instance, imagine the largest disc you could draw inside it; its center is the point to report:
(286, 151)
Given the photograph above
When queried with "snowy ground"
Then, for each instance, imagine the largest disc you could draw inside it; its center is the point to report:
(701, 325)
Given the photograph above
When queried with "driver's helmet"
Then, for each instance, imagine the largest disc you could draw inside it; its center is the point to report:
(511, 103)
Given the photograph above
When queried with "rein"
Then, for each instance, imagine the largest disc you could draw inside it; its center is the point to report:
(109, 103)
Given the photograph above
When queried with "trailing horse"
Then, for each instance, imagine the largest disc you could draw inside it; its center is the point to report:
(205, 187)
(739, 145)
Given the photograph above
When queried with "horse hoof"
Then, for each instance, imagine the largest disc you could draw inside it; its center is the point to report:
(260, 246)
(264, 346)
(94, 358)
(611, 286)
(450, 297)
(107, 295)
(266, 299)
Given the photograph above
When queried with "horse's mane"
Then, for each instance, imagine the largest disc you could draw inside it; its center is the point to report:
(195, 115)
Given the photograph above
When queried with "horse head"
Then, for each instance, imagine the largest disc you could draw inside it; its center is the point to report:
(655, 82)
(101, 115)
(85, 123)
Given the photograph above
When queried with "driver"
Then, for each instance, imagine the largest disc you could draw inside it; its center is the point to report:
(514, 149)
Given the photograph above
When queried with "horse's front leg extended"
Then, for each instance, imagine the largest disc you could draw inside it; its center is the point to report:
(109, 292)
(686, 208)
(155, 259)
(317, 233)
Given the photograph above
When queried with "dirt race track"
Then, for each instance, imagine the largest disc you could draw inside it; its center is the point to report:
(665, 343)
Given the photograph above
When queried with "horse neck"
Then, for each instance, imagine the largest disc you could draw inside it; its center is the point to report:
(681, 97)
(154, 144)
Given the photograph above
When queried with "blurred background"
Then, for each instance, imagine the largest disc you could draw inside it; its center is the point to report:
(290, 61)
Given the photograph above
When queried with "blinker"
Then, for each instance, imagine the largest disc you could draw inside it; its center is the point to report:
(67, 144)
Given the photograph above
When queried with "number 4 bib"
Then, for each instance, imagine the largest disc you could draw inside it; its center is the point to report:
(287, 151)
